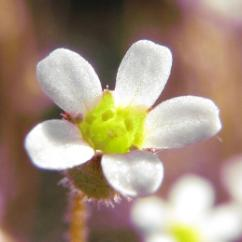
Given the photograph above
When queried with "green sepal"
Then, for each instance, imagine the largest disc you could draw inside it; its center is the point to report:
(90, 180)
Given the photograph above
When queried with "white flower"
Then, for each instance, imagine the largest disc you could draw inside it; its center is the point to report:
(232, 178)
(187, 216)
(132, 127)
(4, 237)
(230, 10)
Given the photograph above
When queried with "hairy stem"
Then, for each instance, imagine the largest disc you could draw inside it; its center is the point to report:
(78, 216)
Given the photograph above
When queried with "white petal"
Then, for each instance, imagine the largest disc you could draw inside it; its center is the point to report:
(142, 74)
(132, 174)
(69, 80)
(180, 121)
(149, 214)
(57, 145)
(232, 178)
(191, 197)
(159, 237)
(225, 223)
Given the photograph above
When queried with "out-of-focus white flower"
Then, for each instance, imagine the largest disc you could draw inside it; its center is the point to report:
(120, 124)
(4, 237)
(232, 178)
(187, 216)
(229, 9)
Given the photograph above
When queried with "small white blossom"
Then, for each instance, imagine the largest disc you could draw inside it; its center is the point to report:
(4, 237)
(230, 10)
(232, 178)
(188, 215)
(71, 82)
(232, 181)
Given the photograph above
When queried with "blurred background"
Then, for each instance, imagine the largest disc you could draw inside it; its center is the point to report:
(205, 39)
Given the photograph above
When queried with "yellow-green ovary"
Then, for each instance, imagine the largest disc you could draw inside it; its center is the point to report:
(113, 129)
(185, 233)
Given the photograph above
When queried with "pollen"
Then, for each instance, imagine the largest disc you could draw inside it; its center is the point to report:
(112, 129)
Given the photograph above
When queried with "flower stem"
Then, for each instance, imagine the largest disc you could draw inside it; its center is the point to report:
(78, 216)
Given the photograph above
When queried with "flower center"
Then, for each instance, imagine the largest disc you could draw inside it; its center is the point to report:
(113, 129)
(185, 233)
